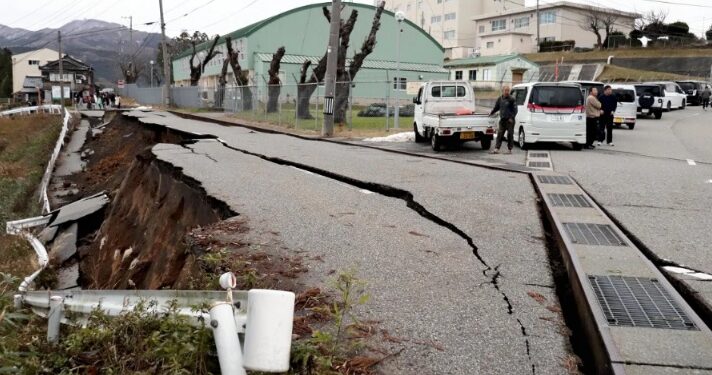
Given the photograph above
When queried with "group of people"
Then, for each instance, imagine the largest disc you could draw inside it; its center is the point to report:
(599, 116)
(102, 101)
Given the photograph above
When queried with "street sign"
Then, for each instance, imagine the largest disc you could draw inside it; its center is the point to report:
(120, 83)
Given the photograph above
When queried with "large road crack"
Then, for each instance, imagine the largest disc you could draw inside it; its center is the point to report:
(489, 272)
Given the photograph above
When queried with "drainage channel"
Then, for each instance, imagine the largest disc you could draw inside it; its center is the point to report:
(633, 319)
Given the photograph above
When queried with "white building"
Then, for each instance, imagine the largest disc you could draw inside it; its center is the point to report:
(28, 65)
(450, 21)
(493, 71)
(515, 30)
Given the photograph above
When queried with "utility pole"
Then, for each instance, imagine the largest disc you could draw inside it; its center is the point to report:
(400, 16)
(61, 69)
(166, 65)
(538, 43)
(327, 129)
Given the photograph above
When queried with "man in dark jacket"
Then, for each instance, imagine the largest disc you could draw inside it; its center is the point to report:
(507, 108)
(609, 104)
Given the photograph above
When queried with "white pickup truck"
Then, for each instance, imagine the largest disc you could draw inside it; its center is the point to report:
(445, 114)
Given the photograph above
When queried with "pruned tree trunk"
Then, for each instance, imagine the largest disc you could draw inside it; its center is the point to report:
(197, 70)
(274, 84)
(346, 77)
(308, 86)
(241, 77)
(222, 82)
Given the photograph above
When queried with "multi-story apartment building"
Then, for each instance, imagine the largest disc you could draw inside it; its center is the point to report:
(28, 65)
(451, 22)
(515, 30)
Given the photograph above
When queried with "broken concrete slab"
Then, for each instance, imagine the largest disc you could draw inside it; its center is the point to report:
(68, 277)
(64, 246)
(47, 234)
(79, 209)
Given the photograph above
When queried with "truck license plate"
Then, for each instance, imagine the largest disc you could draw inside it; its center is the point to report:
(467, 135)
(618, 120)
(645, 110)
(556, 118)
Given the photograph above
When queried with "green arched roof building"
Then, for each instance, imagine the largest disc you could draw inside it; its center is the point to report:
(304, 33)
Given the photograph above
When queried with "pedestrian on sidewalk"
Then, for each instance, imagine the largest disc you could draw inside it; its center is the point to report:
(706, 94)
(507, 108)
(609, 104)
(593, 113)
(118, 101)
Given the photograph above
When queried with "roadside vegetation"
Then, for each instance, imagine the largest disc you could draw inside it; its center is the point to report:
(613, 73)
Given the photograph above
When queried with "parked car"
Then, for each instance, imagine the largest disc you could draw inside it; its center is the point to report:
(445, 114)
(693, 89)
(627, 109)
(407, 110)
(550, 112)
(586, 86)
(673, 96)
(650, 99)
(373, 110)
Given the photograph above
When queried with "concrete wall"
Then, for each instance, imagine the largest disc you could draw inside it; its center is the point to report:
(21, 67)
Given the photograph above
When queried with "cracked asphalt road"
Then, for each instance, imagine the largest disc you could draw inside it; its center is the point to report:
(425, 286)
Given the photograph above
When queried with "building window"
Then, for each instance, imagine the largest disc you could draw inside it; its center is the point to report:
(403, 83)
(435, 19)
(482, 28)
(548, 39)
(498, 25)
(486, 74)
(548, 17)
(490, 44)
(473, 75)
(521, 22)
(33, 62)
(458, 75)
(449, 35)
(450, 16)
(54, 77)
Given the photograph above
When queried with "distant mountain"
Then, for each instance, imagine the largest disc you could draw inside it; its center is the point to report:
(98, 43)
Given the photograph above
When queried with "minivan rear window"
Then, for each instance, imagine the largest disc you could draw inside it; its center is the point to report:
(650, 90)
(688, 85)
(448, 91)
(624, 95)
(556, 96)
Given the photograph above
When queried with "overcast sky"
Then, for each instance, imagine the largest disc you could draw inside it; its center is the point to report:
(222, 16)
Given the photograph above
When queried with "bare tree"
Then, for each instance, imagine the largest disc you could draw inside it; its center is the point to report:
(197, 70)
(275, 84)
(597, 20)
(308, 83)
(130, 70)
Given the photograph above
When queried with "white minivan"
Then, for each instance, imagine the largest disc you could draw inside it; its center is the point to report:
(627, 109)
(673, 96)
(550, 112)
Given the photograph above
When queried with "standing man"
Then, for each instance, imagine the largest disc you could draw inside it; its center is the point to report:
(507, 107)
(609, 104)
(706, 97)
(593, 113)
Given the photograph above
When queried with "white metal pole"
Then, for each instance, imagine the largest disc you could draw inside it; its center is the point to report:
(396, 116)
(327, 129)
(54, 318)
(227, 342)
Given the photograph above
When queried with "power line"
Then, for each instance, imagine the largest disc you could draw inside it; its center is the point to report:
(678, 3)
(192, 11)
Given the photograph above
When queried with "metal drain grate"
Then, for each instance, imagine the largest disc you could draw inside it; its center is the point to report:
(569, 200)
(558, 180)
(538, 154)
(593, 234)
(638, 302)
(539, 164)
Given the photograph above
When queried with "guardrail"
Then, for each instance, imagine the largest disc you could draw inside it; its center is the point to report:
(264, 316)
(53, 109)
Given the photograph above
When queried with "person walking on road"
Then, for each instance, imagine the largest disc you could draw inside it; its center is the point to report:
(507, 108)
(593, 113)
(706, 94)
(609, 104)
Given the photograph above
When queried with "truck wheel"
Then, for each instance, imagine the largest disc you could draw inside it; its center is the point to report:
(418, 137)
(669, 106)
(577, 146)
(435, 142)
(684, 104)
(486, 143)
(658, 115)
(631, 126)
(522, 140)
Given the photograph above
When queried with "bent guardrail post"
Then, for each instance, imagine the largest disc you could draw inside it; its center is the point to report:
(54, 318)
(227, 343)
(268, 332)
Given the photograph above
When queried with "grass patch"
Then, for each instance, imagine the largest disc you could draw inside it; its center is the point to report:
(25, 146)
(627, 52)
(613, 73)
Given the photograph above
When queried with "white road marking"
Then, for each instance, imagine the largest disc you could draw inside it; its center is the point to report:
(709, 181)
(366, 191)
(691, 162)
(701, 276)
(677, 269)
